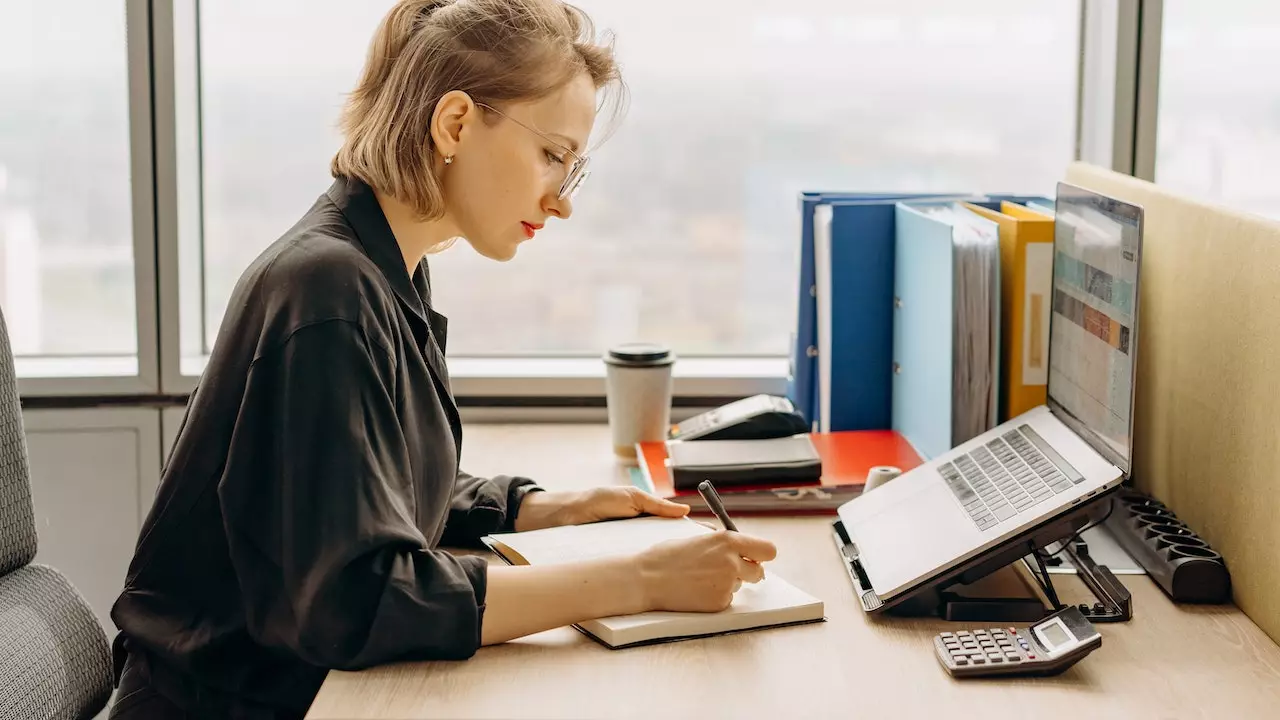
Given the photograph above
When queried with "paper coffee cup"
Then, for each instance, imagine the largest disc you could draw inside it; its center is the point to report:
(880, 475)
(638, 394)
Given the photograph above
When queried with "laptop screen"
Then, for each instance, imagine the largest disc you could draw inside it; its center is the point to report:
(1093, 328)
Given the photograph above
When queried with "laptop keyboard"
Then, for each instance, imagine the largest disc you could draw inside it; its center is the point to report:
(1004, 477)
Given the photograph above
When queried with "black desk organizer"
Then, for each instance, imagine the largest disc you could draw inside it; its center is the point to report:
(1179, 561)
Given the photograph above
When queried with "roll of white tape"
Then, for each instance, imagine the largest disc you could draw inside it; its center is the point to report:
(880, 475)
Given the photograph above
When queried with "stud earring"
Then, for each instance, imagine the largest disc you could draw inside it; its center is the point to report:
(448, 159)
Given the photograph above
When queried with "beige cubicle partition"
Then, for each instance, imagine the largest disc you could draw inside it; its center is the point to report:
(1207, 421)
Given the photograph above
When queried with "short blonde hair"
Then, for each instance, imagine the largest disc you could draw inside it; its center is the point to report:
(494, 50)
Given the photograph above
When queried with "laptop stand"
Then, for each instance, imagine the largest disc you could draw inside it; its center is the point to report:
(940, 596)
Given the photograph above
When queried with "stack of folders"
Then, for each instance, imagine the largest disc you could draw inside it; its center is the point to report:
(921, 313)
(847, 257)
(844, 460)
(1026, 281)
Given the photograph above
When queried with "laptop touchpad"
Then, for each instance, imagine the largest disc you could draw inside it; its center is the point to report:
(898, 548)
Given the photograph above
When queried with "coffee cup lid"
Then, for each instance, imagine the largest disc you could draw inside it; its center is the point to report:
(639, 353)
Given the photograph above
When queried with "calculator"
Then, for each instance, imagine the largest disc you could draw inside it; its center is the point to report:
(1046, 648)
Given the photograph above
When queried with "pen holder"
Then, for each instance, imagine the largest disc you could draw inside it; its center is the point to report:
(1180, 562)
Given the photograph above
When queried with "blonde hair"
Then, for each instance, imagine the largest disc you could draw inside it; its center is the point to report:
(494, 50)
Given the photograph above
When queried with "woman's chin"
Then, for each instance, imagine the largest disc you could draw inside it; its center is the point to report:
(499, 251)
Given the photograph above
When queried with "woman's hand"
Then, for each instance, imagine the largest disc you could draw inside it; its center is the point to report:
(544, 509)
(693, 574)
(701, 574)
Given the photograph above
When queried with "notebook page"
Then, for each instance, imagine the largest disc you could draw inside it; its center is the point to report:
(771, 601)
(571, 543)
(770, 594)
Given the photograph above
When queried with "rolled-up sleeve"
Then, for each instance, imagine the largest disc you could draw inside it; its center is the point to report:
(318, 505)
(484, 505)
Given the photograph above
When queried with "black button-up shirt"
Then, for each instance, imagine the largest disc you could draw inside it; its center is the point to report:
(297, 522)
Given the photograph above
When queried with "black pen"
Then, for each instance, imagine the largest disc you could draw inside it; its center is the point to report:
(712, 498)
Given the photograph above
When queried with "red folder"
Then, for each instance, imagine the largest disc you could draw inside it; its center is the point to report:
(847, 457)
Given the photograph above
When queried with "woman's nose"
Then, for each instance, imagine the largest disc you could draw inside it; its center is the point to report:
(555, 205)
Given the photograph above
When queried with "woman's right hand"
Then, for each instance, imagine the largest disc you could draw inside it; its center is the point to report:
(700, 574)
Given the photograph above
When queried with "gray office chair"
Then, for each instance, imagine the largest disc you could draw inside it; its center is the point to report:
(54, 657)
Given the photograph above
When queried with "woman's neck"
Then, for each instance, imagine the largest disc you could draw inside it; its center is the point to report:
(415, 237)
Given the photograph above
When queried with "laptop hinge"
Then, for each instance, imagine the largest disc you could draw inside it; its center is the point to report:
(867, 596)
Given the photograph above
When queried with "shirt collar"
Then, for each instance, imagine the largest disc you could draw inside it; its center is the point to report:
(360, 206)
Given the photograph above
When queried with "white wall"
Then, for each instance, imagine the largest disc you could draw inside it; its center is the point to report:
(93, 474)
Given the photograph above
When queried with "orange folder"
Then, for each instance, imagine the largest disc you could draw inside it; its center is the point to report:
(1026, 287)
(847, 457)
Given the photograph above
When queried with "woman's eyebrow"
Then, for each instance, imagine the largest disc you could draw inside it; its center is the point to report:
(568, 141)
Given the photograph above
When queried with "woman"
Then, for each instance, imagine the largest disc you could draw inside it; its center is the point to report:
(297, 525)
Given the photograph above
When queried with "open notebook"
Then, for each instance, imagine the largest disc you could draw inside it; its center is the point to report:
(770, 602)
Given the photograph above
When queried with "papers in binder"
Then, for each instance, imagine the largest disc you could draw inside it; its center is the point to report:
(822, 288)
(977, 317)
(946, 326)
(1026, 269)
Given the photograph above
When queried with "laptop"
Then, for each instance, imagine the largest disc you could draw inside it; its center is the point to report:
(1032, 470)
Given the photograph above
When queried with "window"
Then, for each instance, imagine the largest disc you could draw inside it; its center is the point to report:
(67, 281)
(686, 232)
(1218, 134)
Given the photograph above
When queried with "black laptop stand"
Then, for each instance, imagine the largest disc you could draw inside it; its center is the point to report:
(941, 596)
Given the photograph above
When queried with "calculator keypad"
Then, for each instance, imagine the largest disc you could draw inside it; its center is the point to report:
(993, 646)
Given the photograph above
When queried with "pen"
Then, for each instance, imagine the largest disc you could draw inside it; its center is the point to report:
(712, 498)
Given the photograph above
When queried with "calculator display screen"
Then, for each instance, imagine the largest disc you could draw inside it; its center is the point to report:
(1054, 635)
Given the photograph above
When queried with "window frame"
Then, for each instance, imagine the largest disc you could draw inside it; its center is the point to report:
(1150, 35)
(1115, 127)
(34, 377)
(1118, 84)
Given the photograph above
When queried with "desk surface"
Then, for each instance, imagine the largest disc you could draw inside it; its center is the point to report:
(1170, 661)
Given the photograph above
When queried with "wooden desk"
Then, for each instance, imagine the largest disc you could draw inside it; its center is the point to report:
(1168, 662)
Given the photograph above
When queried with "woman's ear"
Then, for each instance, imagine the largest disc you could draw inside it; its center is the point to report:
(454, 112)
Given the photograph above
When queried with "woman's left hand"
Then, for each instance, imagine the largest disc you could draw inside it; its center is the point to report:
(545, 509)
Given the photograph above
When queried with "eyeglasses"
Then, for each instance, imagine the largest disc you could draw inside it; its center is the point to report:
(578, 172)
